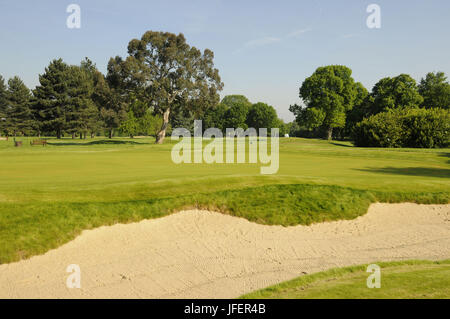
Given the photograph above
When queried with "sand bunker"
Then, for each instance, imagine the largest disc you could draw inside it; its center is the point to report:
(201, 254)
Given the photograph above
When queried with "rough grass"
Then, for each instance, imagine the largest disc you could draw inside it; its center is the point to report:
(402, 280)
(48, 195)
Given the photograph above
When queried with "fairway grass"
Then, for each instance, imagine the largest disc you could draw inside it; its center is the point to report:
(48, 195)
(413, 279)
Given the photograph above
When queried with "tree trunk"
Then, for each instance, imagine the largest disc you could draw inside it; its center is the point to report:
(58, 134)
(73, 136)
(92, 135)
(162, 132)
(81, 136)
(110, 133)
(330, 134)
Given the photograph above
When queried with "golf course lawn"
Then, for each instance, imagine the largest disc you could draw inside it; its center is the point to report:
(402, 280)
(48, 195)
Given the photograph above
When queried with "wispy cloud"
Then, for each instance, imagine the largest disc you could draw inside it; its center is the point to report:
(297, 33)
(271, 40)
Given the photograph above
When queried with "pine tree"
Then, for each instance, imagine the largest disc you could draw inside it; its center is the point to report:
(19, 116)
(51, 98)
(3, 105)
(79, 108)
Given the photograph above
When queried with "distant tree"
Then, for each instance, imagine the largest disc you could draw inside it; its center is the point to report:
(435, 90)
(19, 115)
(110, 98)
(360, 110)
(262, 115)
(397, 92)
(232, 100)
(328, 94)
(237, 110)
(166, 73)
(150, 123)
(3, 105)
(94, 122)
(236, 116)
(51, 98)
(131, 125)
(215, 117)
(79, 109)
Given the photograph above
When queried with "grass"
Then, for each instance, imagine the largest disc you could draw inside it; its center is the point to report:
(48, 195)
(401, 280)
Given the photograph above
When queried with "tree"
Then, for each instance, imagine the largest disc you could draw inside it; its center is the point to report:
(79, 107)
(435, 90)
(167, 73)
(233, 100)
(215, 117)
(109, 98)
(131, 125)
(92, 114)
(360, 110)
(397, 92)
(262, 115)
(328, 94)
(237, 109)
(51, 97)
(3, 105)
(19, 116)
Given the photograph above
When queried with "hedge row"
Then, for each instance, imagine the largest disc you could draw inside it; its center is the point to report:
(412, 127)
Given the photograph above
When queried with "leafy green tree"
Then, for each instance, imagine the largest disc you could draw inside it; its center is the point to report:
(397, 92)
(51, 98)
(262, 115)
(236, 116)
(19, 114)
(3, 105)
(328, 94)
(131, 125)
(109, 100)
(215, 117)
(360, 110)
(232, 100)
(237, 109)
(166, 73)
(435, 90)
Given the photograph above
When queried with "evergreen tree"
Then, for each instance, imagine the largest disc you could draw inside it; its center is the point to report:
(51, 97)
(19, 116)
(79, 107)
(3, 105)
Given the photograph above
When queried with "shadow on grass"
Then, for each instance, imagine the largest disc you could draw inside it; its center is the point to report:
(411, 171)
(99, 142)
(445, 155)
(341, 144)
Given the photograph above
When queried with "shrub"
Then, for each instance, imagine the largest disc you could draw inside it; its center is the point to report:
(406, 127)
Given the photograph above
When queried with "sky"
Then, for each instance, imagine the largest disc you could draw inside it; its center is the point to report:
(263, 49)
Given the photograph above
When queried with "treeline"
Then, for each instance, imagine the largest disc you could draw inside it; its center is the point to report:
(162, 83)
(77, 100)
(163, 80)
(398, 112)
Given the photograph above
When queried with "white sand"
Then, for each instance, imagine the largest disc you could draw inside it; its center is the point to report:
(201, 254)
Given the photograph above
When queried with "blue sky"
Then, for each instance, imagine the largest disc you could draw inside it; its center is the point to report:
(263, 49)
